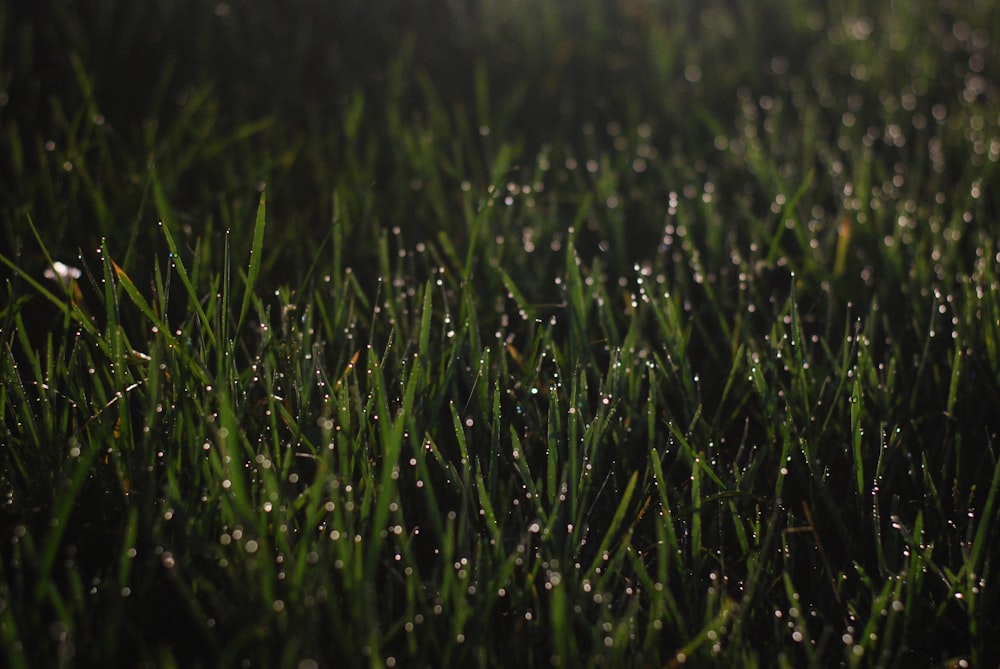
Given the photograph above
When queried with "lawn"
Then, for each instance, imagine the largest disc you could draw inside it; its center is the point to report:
(499, 333)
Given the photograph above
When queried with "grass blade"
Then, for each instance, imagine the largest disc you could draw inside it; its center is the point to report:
(256, 252)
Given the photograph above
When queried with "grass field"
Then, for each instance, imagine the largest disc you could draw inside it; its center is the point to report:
(499, 333)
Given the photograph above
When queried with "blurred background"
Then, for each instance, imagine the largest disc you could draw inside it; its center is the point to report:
(225, 97)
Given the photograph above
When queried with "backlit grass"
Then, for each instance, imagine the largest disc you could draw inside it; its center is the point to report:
(499, 334)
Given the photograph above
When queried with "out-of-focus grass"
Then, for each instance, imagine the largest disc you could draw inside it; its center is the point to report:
(597, 335)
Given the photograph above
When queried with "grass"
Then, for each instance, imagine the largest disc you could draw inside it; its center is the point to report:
(603, 334)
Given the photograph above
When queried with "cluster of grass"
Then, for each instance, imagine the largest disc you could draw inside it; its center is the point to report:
(499, 333)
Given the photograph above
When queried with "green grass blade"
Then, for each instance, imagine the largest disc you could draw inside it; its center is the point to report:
(613, 531)
(164, 208)
(256, 253)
